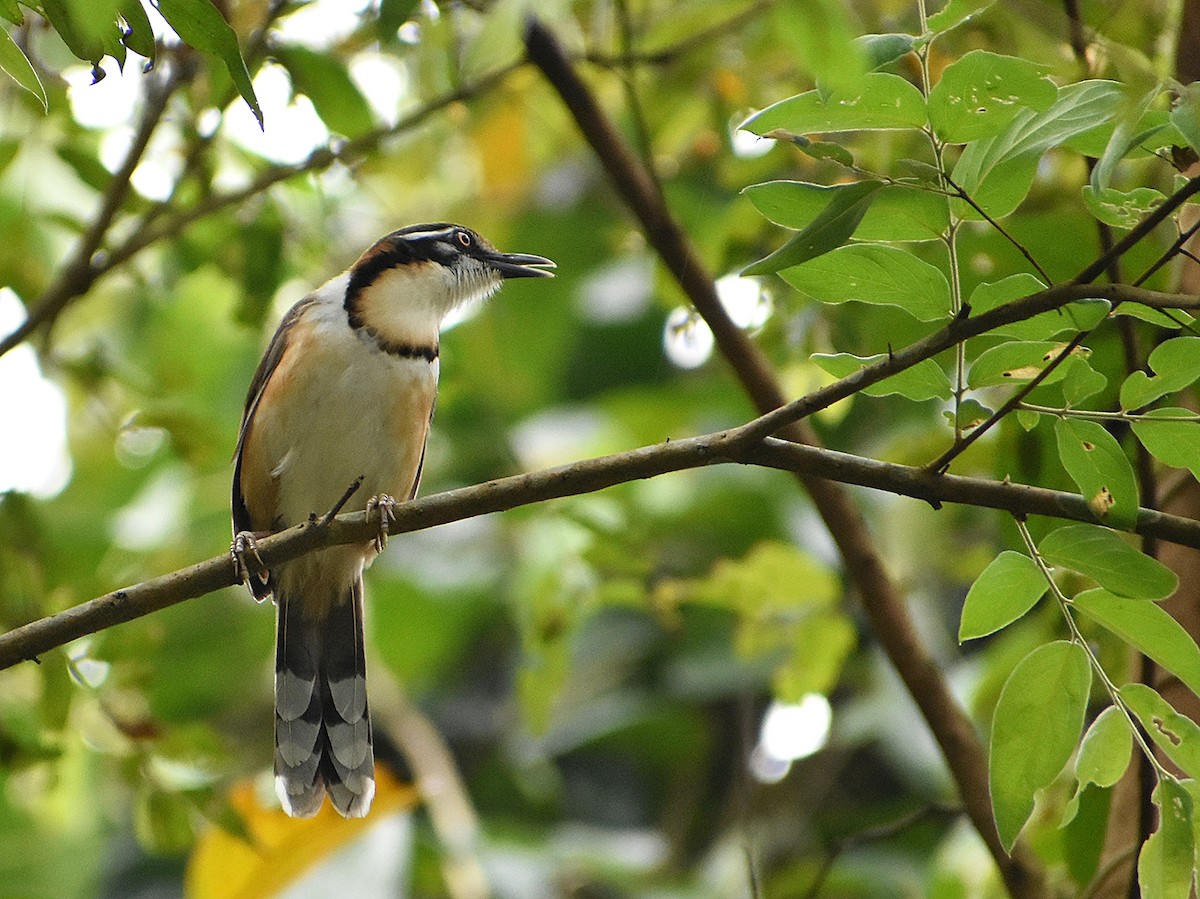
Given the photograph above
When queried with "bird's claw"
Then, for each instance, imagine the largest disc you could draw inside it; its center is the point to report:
(383, 507)
(248, 564)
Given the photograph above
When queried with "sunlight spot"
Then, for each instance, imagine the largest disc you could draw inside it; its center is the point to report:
(745, 300)
(790, 732)
(110, 101)
(748, 145)
(34, 408)
(383, 81)
(155, 516)
(619, 291)
(293, 128)
(687, 339)
(320, 24)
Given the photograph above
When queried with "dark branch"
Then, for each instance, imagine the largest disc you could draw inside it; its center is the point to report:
(587, 476)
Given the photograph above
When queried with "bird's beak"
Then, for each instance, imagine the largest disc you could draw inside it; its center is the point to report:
(520, 265)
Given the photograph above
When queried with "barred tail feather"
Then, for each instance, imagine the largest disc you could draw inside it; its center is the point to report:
(322, 721)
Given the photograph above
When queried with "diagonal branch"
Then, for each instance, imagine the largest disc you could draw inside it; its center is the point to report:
(586, 476)
(880, 596)
(79, 272)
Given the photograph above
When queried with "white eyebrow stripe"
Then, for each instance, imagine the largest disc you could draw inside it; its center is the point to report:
(421, 235)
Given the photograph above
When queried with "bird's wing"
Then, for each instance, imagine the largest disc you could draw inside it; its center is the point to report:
(266, 367)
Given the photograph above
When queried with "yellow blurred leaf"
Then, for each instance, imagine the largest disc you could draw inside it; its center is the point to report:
(281, 849)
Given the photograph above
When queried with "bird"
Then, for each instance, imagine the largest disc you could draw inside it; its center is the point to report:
(344, 396)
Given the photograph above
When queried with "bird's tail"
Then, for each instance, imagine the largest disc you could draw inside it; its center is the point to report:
(322, 725)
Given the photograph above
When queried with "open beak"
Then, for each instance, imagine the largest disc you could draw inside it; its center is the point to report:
(521, 265)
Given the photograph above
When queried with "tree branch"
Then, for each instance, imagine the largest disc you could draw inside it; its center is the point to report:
(586, 476)
(80, 271)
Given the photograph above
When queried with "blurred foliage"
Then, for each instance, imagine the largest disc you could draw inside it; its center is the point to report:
(599, 666)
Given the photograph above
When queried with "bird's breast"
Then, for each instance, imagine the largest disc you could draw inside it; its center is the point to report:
(336, 409)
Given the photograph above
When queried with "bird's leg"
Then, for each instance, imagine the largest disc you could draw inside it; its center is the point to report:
(383, 507)
(248, 564)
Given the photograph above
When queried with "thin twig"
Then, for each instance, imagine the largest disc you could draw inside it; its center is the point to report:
(874, 835)
(337, 507)
(970, 201)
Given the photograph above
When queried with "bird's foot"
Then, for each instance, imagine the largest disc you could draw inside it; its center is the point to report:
(248, 564)
(382, 507)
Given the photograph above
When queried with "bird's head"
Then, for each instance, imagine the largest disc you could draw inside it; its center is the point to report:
(410, 279)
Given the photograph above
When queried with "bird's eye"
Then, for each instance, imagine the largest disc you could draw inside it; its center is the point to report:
(464, 238)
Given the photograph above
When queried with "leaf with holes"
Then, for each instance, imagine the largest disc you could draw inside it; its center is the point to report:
(879, 101)
(923, 381)
(1046, 695)
(1121, 208)
(1176, 735)
(830, 229)
(1100, 468)
(1107, 559)
(1176, 364)
(980, 94)
(1149, 629)
(1016, 362)
(998, 171)
(1008, 588)
(1166, 865)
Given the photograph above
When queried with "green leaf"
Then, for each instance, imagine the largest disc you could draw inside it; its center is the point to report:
(880, 101)
(1148, 628)
(1101, 470)
(924, 381)
(822, 41)
(139, 36)
(896, 213)
(1015, 362)
(816, 149)
(12, 12)
(1186, 115)
(955, 13)
(82, 30)
(1172, 436)
(880, 49)
(1166, 864)
(199, 24)
(874, 273)
(830, 229)
(820, 643)
(1035, 728)
(1103, 756)
(980, 94)
(1177, 319)
(1080, 382)
(1077, 316)
(1176, 364)
(1106, 749)
(1176, 735)
(998, 171)
(1121, 208)
(1107, 559)
(325, 80)
(18, 68)
(1008, 588)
